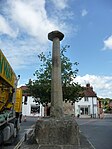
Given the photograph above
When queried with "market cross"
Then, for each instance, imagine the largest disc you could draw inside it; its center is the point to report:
(56, 83)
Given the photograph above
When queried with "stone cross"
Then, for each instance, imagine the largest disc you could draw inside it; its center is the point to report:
(56, 83)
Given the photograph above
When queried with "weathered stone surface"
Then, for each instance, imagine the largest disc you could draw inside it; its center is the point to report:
(59, 147)
(57, 131)
(55, 34)
(56, 83)
(84, 144)
(70, 147)
(68, 108)
(30, 143)
(50, 147)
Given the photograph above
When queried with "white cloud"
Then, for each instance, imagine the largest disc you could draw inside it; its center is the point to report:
(5, 27)
(32, 18)
(25, 25)
(102, 85)
(60, 4)
(33, 25)
(22, 54)
(84, 12)
(108, 43)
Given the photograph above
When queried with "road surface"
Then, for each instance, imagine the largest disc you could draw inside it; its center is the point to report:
(98, 131)
(25, 126)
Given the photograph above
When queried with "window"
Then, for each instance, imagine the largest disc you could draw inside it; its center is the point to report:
(85, 110)
(35, 109)
(86, 99)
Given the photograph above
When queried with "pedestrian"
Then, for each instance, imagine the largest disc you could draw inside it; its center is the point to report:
(78, 115)
(20, 117)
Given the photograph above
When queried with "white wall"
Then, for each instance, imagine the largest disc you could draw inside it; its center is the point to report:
(26, 109)
(91, 104)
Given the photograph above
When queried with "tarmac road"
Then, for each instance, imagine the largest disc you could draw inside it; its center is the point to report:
(98, 131)
(25, 126)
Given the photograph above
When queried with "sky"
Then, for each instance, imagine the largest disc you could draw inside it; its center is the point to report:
(87, 28)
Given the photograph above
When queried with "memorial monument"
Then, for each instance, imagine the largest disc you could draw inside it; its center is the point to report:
(58, 131)
(56, 84)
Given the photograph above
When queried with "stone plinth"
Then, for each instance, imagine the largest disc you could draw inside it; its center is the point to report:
(57, 132)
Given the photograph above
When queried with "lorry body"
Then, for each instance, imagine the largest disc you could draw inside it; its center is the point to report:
(10, 101)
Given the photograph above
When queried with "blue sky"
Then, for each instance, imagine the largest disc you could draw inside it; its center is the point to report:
(86, 24)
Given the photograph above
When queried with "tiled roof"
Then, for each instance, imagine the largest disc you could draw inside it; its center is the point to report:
(24, 91)
(88, 91)
(24, 88)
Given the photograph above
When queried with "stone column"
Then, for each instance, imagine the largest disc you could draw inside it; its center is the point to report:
(58, 131)
(56, 83)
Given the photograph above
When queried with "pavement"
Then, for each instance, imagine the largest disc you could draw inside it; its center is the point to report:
(28, 142)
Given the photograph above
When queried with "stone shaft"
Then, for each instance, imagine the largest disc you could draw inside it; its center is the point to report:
(56, 83)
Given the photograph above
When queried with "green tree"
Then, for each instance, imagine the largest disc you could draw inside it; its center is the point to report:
(41, 87)
(105, 104)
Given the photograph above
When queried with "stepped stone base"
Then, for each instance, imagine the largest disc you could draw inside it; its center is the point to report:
(57, 133)
(79, 142)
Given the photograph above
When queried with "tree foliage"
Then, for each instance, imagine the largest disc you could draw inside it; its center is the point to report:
(41, 87)
(106, 104)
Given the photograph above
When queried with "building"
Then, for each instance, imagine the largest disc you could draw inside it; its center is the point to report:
(87, 106)
(29, 106)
